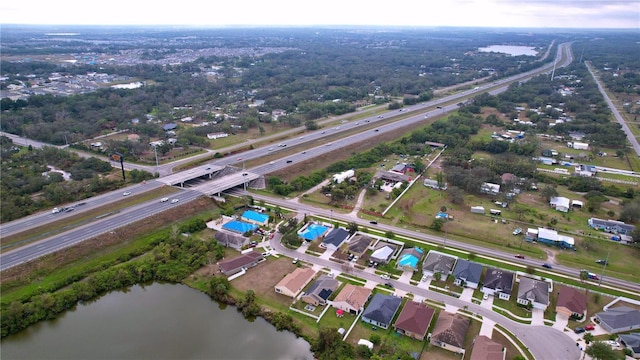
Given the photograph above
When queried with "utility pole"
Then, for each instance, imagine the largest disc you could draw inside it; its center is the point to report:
(155, 151)
(244, 179)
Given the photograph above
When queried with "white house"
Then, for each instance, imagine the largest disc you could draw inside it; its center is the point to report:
(560, 203)
(340, 177)
(218, 135)
(490, 188)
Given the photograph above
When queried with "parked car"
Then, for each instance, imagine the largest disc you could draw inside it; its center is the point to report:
(389, 285)
(612, 343)
(295, 261)
(520, 256)
(602, 262)
(517, 231)
(545, 265)
(253, 244)
(579, 330)
(589, 327)
(485, 296)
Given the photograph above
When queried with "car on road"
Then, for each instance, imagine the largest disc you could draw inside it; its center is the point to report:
(289, 161)
(579, 330)
(589, 327)
(164, 199)
(126, 193)
(295, 261)
(55, 210)
(380, 116)
(270, 149)
(376, 130)
(385, 277)
(373, 222)
(545, 265)
(517, 231)
(271, 162)
(304, 152)
(173, 201)
(520, 256)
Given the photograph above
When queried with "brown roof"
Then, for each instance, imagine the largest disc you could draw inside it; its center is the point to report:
(297, 279)
(572, 299)
(486, 349)
(353, 295)
(415, 317)
(451, 329)
(240, 261)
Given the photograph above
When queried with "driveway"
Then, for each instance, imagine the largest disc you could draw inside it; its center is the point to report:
(326, 255)
(561, 322)
(537, 317)
(487, 328)
(467, 294)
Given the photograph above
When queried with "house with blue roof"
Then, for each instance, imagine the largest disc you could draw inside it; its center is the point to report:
(381, 310)
(409, 259)
(257, 218)
(334, 239)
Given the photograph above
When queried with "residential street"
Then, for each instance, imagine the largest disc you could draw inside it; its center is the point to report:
(544, 342)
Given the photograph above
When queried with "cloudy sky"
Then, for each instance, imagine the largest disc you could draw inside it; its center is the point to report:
(483, 13)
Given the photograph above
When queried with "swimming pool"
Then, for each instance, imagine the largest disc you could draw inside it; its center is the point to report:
(313, 231)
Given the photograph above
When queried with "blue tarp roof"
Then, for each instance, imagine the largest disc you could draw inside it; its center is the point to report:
(255, 216)
(239, 226)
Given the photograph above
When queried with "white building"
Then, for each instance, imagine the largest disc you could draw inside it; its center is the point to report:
(340, 177)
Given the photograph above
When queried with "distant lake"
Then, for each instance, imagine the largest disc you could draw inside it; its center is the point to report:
(511, 50)
(158, 321)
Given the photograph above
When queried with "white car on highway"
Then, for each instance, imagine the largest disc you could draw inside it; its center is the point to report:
(164, 199)
(173, 201)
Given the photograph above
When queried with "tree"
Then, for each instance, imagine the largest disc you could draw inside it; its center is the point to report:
(588, 338)
(352, 227)
(601, 351)
(584, 275)
(389, 234)
(440, 179)
(456, 195)
(437, 224)
(548, 192)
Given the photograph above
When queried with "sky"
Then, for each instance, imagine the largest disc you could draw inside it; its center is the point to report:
(467, 13)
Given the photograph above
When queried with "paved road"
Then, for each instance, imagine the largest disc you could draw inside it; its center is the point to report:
(544, 342)
(107, 223)
(632, 138)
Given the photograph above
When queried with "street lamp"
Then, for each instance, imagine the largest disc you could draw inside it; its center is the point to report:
(155, 151)
(244, 179)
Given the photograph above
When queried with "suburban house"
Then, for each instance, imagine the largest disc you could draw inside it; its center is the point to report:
(409, 259)
(437, 262)
(228, 239)
(551, 237)
(487, 349)
(237, 264)
(381, 310)
(430, 183)
(293, 283)
(351, 299)
(611, 226)
(169, 127)
(253, 217)
(334, 238)
(571, 302)
(414, 320)
(498, 281)
(467, 273)
(490, 188)
(619, 319)
(359, 244)
(450, 331)
(560, 203)
(383, 253)
(534, 292)
(631, 342)
(320, 290)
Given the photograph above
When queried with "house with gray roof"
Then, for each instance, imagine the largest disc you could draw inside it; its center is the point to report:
(631, 342)
(232, 240)
(611, 226)
(467, 273)
(535, 292)
(619, 319)
(381, 310)
(359, 244)
(320, 290)
(383, 253)
(239, 263)
(437, 262)
(498, 282)
(334, 238)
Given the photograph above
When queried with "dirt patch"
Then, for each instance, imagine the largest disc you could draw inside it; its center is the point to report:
(262, 279)
(105, 242)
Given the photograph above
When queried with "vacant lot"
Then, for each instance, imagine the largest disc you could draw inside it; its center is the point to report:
(263, 278)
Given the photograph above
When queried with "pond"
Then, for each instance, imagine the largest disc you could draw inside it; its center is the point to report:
(510, 49)
(157, 321)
